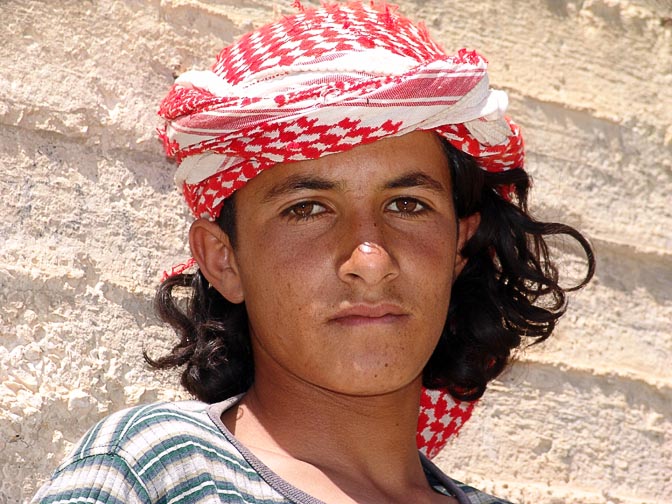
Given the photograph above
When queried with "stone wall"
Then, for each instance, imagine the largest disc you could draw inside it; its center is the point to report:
(90, 218)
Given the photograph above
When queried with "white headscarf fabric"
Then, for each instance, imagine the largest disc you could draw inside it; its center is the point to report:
(321, 82)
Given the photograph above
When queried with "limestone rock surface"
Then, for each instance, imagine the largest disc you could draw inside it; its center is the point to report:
(90, 218)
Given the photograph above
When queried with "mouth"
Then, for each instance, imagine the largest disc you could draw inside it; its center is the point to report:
(369, 314)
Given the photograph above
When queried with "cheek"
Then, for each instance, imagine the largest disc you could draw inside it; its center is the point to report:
(292, 256)
(283, 279)
(431, 255)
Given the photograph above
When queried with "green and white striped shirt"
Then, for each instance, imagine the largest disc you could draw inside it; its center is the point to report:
(182, 453)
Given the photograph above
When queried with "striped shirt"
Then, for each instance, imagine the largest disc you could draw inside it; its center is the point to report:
(182, 453)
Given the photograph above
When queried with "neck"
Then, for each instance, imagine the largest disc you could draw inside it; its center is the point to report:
(366, 436)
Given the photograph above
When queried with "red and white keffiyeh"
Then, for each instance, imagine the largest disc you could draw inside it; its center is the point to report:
(321, 82)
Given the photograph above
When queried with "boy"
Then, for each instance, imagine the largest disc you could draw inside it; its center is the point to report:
(362, 242)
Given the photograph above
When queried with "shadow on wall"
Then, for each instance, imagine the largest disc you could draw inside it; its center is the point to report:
(625, 269)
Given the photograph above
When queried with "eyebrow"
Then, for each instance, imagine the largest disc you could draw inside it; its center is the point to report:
(416, 179)
(295, 183)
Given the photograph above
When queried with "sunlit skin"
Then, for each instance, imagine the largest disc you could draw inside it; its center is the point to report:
(345, 264)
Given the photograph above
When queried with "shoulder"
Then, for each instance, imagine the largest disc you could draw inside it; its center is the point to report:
(153, 452)
(478, 497)
(134, 432)
(464, 492)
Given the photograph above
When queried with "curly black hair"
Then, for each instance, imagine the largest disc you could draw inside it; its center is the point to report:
(508, 293)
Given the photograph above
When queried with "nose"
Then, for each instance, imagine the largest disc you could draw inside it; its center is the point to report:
(369, 263)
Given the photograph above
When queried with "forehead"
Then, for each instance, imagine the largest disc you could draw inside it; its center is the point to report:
(414, 159)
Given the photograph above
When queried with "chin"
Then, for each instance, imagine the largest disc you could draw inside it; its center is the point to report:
(375, 382)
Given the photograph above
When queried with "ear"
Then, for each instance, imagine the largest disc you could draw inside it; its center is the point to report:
(466, 228)
(212, 250)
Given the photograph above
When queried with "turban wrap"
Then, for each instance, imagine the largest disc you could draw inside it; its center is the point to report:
(320, 82)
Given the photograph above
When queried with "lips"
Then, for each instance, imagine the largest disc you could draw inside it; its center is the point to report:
(370, 314)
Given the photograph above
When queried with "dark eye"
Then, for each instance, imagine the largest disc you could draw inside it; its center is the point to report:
(304, 210)
(406, 206)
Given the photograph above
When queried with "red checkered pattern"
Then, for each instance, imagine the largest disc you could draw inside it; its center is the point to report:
(441, 417)
(321, 82)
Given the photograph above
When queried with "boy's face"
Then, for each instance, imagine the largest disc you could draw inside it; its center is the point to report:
(346, 264)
